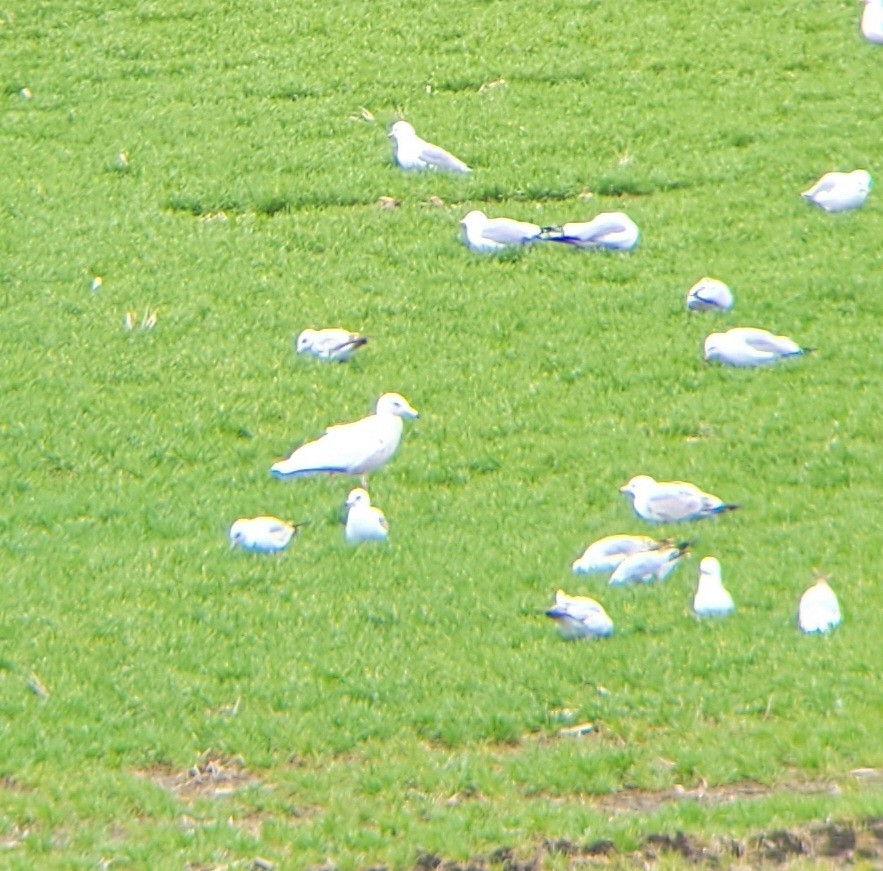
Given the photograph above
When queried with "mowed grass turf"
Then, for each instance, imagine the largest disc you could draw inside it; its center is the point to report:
(353, 706)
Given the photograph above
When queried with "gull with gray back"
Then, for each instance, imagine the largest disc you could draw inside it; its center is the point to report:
(331, 344)
(605, 554)
(671, 501)
(840, 191)
(412, 152)
(351, 448)
(749, 347)
(489, 235)
(615, 231)
(579, 617)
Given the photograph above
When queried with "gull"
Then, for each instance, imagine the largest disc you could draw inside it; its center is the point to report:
(482, 233)
(351, 448)
(872, 21)
(613, 230)
(819, 610)
(649, 566)
(579, 617)
(840, 191)
(332, 343)
(605, 554)
(709, 294)
(262, 534)
(711, 599)
(364, 522)
(412, 152)
(671, 501)
(749, 346)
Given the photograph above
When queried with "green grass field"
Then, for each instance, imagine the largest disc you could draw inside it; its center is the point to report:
(166, 702)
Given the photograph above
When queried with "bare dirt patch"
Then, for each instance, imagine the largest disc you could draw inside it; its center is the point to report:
(826, 844)
(213, 775)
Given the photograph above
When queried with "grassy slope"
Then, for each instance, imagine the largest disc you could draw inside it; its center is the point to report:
(544, 380)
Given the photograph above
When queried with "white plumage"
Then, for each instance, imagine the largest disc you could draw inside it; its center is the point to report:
(840, 191)
(711, 598)
(579, 617)
(364, 522)
(331, 344)
(485, 234)
(412, 152)
(605, 554)
(747, 347)
(351, 448)
(671, 501)
(649, 566)
(872, 21)
(612, 230)
(709, 294)
(262, 534)
(819, 610)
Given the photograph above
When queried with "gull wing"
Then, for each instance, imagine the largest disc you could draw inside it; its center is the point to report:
(676, 503)
(509, 232)
(438, 157)
(761, 340)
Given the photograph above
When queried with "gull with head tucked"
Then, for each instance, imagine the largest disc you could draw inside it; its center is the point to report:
(412, 152)
(709, 294)
(332, 344)
(747, 347)
(711, 598)
(605, 554)
(671, 501)
(818, 610)
(615, 231)
(262, 534)
(485, 234)
(364, 522)
(579, 617)
(351, 448)
(840, 191)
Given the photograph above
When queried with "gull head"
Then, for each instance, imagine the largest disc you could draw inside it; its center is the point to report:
(357, 496)
(401, 130)
(710, 568)
(475, 218)
(237, 533)
(305, 341)
(395, 403)
(712, 348)
(863, 180)
(636, 484)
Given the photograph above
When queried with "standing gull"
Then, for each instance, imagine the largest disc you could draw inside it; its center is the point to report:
(364, 522)
(332, 343)
(262, 534)
(412, 152)
(840, 191)
(819, 610)
(746, 347)
(671, 501)
(351, 448)
(605, 554)
(482, 233)
(709, 294)
(652, 565)
(579, 617)
(615, 231)
(711, 598)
